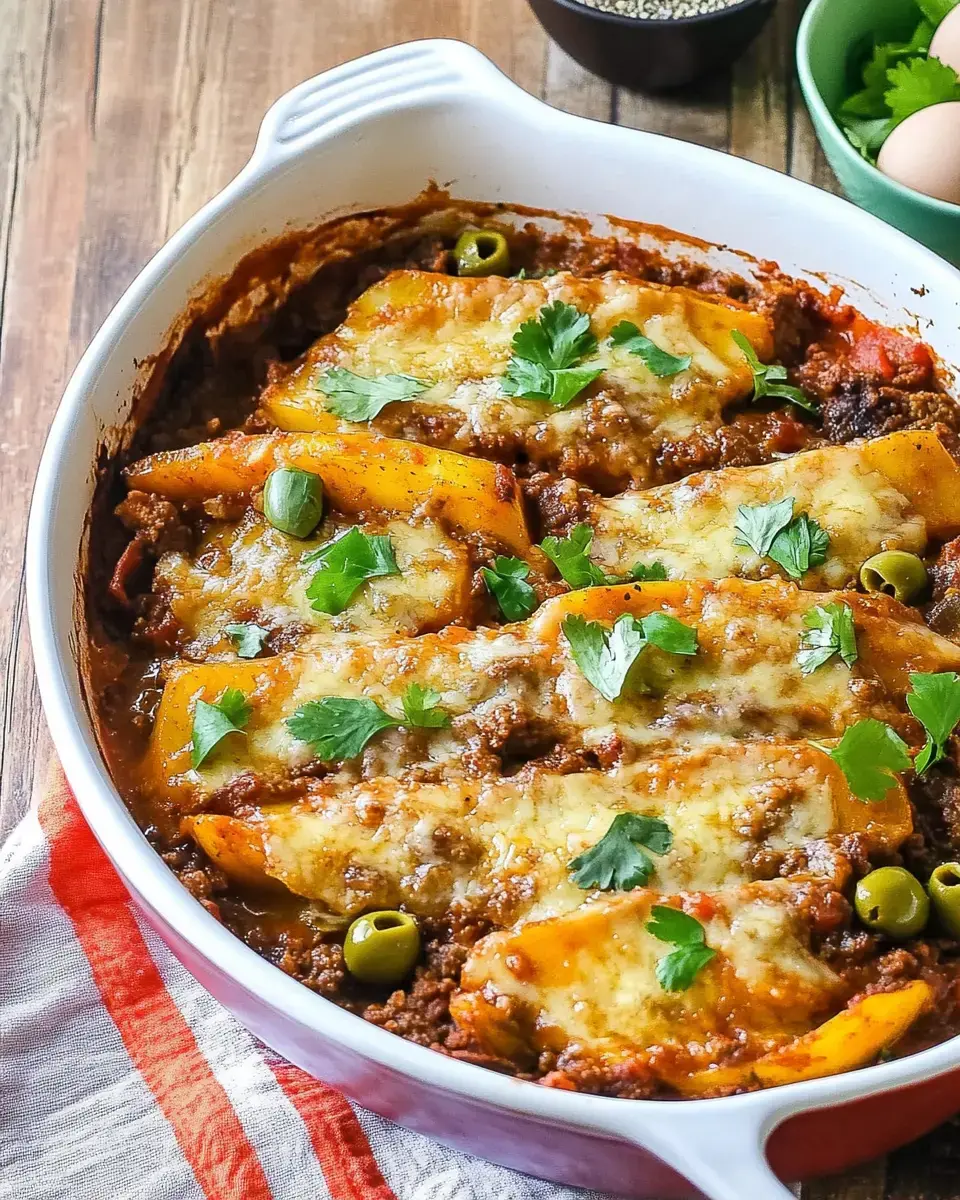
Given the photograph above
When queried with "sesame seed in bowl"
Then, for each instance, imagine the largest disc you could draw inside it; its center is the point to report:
(661, 10)
(653, 45)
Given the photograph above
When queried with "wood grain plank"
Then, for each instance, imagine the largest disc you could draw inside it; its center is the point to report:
(574, 89)
(862, 1183)
(703, 117)
(47, 62)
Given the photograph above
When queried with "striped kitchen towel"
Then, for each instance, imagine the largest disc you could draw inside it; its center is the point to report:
(122, 1079)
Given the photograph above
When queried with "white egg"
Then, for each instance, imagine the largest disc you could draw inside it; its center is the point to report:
(923, 152)
(946, 41)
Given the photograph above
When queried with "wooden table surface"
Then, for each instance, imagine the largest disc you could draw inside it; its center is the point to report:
(121, 117)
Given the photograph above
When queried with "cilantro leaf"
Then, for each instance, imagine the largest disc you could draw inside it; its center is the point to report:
(829, 631)
(527, 379)
(566, 334)
(546, 354)
(507, 583)
(677, 970)
(867, 136)
(345, 563)
(917, 84)
(667, 633)
(768, 380)
(641, 573)
(338, 728)
(934, 699)
(569, 556)
(213, 722)
(802, 545)
(248, 638)
(420, 708)
(570, 382)
(758, 524)
(618, 861)
(358, 399)
(867, 754)
(658, 362)
(605, 658)
(771, 530)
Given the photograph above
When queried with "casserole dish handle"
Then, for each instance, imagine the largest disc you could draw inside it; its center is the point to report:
(394, 78)
(720, 1151)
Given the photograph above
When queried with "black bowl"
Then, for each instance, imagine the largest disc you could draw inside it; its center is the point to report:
(652, 55)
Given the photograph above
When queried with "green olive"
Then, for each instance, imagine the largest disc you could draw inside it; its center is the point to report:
(482, 252)
(891, 901)
(944, 888)
(895, 573)
(382, 947)
(293, 501)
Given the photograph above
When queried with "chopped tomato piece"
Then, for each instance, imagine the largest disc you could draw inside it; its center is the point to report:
(886, 352)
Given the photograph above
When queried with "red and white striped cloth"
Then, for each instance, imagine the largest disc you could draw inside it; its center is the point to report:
(121, 1078)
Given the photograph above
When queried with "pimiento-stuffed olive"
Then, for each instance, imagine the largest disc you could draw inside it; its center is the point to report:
(944, 888)
(896, 573)
(382, 947)
(892, 901)
(293, 501)
(482, 252)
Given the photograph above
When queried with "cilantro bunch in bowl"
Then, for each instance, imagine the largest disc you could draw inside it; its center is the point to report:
(898, 79)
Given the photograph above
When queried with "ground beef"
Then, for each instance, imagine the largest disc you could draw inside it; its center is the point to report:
(868, 380)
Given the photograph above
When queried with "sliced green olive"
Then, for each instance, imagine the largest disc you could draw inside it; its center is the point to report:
(482, 252)
(892, 901)
(895, 573)
(944, 888)
(382, 947)
(293, 501)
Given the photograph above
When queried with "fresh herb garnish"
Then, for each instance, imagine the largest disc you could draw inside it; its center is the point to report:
(658, 362)
(899, 79)
(545, 354)
(934, 699)
(768, 380)
(758, 524)
(829, 631)
(570, 556)
(345, 563)
(506, 581)
(867, 754)
(248, 638)
(677, 970)
(618, 860)
(655, 572)
(357, 399)
(420, 708)
(338, 728)
(213, 722)
(919, 83)
(606, 656)
(771, 531)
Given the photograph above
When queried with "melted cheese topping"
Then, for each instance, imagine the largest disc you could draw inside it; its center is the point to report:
(504, 847)
(743, 683)
(584, 985)
(249, 571)
(456, 334)
(690, 526)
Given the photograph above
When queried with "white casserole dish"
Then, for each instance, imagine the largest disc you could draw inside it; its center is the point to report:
(364, 136)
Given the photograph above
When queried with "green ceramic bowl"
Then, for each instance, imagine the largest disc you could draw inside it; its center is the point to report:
(829, 33)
